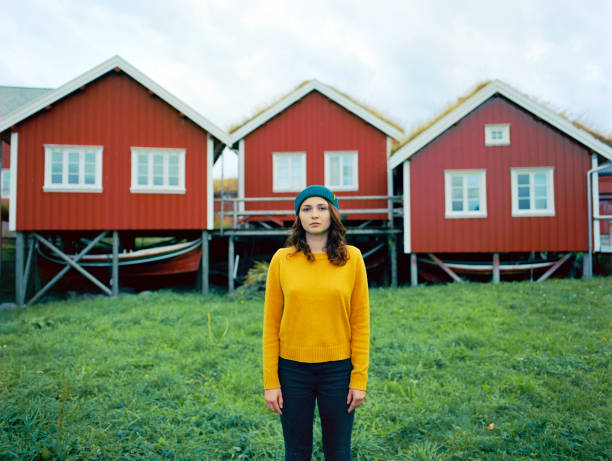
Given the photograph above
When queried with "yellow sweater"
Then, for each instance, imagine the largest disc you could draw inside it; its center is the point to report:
(316, 312)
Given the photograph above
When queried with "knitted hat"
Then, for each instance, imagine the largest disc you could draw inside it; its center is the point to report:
(315, 191)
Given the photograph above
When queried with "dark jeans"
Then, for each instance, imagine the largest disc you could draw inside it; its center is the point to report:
(327, 382)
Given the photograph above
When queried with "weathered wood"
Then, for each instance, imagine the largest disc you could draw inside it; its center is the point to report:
(556, 266)
(414, 274)
(28, 267)
(72, 262)
(230, 264)
(19, 292)
(496, 272)
(115, 271)
(393, 251)
(445, 268)
(205, 264)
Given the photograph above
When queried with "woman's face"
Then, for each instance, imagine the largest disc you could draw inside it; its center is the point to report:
(315, 215)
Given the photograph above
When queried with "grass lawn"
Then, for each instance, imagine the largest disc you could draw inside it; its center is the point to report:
(458, 372)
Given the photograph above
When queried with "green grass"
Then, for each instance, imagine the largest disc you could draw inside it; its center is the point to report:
(177, 376)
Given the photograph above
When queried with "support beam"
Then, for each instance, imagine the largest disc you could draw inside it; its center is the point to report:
(19, 248)
(28, 266)
(393, 251)
(556, 266)
(115, 272)
(72, 262)
(445, 268)
(496, 272)
(205, 263)
(414, 273)
(230, 264)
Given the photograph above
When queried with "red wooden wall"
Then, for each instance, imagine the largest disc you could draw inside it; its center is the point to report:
(116, 112)
(316, 124)
(533, 144)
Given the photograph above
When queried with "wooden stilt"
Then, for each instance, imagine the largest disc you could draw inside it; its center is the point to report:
(230, 264)
(205, 262)
(587, 265)
(556, 266)
(28, 266)
(19, 292)
(115, 273)
(445, 268)
(393, 251)
(496, 273)
(414, 274)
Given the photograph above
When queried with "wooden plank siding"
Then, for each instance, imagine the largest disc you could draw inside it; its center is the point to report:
(115, 112)
(316, 124)
(533, 144)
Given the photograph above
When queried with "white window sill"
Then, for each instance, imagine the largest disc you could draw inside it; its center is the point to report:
(161, 190)
(87, 190)
(465, 215)
(492, 144)
(343, 188)
(281, 191)
(533, 214)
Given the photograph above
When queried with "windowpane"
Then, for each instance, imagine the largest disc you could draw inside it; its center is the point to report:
(457, 193)
(89, 179)
(56, 179)
(296, 172)
(540, 204)
(523, 204)
(473, 193)
(539, 178)
(6, 183)
(472, 180)
(540, 191)
(522, 178)
(457, 181)
(473, 205)
(158, 170)
(523, 192)
(457, 206)
(334, 170)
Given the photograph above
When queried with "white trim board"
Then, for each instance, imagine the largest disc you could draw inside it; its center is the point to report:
(93, 74)
(499, 87)
(338, 98)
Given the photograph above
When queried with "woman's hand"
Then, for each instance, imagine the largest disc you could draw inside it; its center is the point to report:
(355, 398)
(274, 400)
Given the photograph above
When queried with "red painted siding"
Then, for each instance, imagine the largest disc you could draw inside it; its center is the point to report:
(316, 124)
(533, 144)
(6, 155)
(115, 112)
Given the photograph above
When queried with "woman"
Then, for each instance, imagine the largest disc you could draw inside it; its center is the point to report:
(316, 330)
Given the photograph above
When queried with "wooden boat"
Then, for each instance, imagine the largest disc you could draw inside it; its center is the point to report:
(480, 268)
(177, 258)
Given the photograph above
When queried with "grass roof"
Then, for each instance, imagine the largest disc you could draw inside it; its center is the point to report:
(261, 109)
(607, 139)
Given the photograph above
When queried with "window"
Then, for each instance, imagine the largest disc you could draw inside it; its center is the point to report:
(532, 192)
(289, 171)
(497, 135)
(73, 168)
(6, 183)
(466, 194)
(158, 170)
(341, 170)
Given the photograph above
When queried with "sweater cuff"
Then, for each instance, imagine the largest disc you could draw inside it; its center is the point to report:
(358, 381)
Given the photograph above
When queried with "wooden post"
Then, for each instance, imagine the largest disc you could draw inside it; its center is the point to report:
(230, 264)
(19, 292)
(115, 281)
(205, 262)
(496, 276)
(414, 274)
(587, 264)
(393, 251)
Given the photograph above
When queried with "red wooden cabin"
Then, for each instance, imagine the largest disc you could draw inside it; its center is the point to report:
(315, 135)
(111, 151)
(497, 174)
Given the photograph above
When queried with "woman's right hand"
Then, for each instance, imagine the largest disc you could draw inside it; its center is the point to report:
(274, 400)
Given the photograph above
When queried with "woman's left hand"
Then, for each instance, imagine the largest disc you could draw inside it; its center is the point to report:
(355, 398)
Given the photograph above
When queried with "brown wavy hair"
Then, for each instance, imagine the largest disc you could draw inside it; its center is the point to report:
(336, 239)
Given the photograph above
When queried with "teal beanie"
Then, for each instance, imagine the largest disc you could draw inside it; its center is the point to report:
(315, 191)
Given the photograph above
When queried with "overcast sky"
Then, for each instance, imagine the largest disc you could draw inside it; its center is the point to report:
(407, 59)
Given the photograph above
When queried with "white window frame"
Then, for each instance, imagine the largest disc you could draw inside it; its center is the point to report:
(492, 140)
(6, 183)
(449, 212)
(164, 188)
(550, 192)
(96, 187)
(342, 153)
(275, 183)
